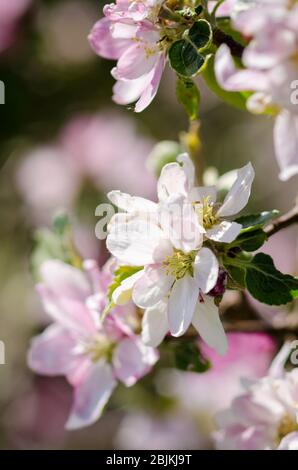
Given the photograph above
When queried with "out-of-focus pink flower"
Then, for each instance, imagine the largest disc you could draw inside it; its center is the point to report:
(50, 177)
(171, 431)
(265, 416)
(108, 149)
(249, 355)
(270, 71)
(129, 33)
(47, 182)
(10, 13)
(92, 354)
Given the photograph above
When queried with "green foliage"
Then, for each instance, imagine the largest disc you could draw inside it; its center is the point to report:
(120, 274)
(185, 55)
(189, 96)
(267, 284)
(256, 220)
(250, 240)
(264, 282)
(236, 99)
(185, 59)
(188, 357)
(54, 244)
(236, 278)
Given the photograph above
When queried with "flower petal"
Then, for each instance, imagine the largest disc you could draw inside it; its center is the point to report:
(64, 280)
(206, 269)
(51, 353)
(91, 396)
(134, 63)
(155, 324)
(237, 197)
(224, 232)
(152, 286)
(207, 322)
(172, 180)
(132, 359)
(134, 243)
(103, 43)
(188, 168)
(129, 203)
(232, 79)
(289, 442)
(286, 144)
(180, 223)
(151, 88)
(181, 304)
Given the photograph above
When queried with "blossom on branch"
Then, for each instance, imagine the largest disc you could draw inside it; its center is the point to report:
(92, 354)
(167, 242)
(270, 71)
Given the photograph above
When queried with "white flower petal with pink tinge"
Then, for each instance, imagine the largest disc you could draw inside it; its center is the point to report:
(134, 243)
(155, 324)
(207, 322)
(181, 304)
(206, 269)
(180, 223)
(172, 180)
(132, 359)
(232, 79)
(91, 396)
(52, 352)
(152, 286)
(238, 196)
(65, 280)
(129, 203)
(224, 232)
(135, 63)
(290, 442)
(286, 144)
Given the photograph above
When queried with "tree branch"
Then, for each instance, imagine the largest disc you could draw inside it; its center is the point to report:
(282, 222)
(219, 37)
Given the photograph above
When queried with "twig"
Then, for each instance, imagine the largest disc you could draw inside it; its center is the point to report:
(219, 37)
(282, 222)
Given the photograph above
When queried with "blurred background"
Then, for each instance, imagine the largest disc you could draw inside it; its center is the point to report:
(63, 144)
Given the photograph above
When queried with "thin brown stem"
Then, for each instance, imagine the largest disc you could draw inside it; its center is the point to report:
(219, 37)
(284, 221)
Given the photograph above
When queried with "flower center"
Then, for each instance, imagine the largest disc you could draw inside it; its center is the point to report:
(179, 264)
(209, 218)
(286, 426)
(101, 348)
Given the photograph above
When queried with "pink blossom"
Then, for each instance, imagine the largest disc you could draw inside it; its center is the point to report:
(265, 415)
(270, 70)
(92, 354)
(10, 13)
(130, 34)
(248, 355)
(50, 177)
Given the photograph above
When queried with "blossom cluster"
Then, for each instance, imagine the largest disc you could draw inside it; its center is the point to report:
(270, 70)
(265, 416)
(172, 245)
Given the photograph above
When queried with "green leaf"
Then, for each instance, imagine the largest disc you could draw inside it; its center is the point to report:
(200, 34)
(54, 244)
(185, 59)
(267, 284)
(236, 277)
(188, 357)
(236, 99)
(189, 96)
(120, 274)
(250, 240)
(256, 220)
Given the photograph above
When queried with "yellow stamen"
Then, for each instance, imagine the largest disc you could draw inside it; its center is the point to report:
(179, 264)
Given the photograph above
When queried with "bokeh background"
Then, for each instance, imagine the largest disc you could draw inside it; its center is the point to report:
(63, 144)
